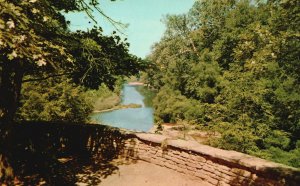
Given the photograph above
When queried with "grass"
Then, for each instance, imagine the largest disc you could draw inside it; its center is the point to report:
(107, 102)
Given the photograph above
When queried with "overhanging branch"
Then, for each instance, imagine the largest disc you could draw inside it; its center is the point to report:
(46, 77)
(88, 10)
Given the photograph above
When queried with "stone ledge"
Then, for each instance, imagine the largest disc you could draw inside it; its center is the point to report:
(155, 138)
(237, 158)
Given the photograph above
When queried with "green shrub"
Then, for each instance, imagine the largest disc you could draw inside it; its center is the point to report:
(54, 100)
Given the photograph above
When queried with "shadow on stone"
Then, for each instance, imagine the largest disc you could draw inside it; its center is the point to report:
(37, 153)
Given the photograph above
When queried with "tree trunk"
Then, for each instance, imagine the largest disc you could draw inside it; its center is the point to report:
(10, 89)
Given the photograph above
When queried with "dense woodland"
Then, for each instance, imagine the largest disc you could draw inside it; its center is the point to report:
(233, 67)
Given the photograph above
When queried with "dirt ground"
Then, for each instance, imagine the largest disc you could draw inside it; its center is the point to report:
(176, 131)
(142, 173)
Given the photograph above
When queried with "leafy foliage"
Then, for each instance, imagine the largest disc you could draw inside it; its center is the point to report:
(36, 45)
(101, 59)
(55, 100)
(233, 66)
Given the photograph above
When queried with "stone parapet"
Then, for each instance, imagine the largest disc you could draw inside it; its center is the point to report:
(215, 166)
(34, 142)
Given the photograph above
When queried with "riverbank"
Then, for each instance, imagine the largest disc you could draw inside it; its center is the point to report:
(111, 101)
(132, 113)
(104, 98)
(136, 83)
(118, 107)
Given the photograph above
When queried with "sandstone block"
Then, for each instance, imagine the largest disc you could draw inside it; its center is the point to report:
(241, 172)
(200, 174)
(173, 159)
(210, 174)
(193, 165)
(229, 173)
(187, 172)
(193, 157)
(151, 151)
(170, 162)
(157, 162)
(199, 165)
(222, 183)
(208, 168)
(175, 152)
(170, 166)
(209, 162)
(200, 159)
(184, 155)
(167, 157)
(145, 158)
(179, 161)
(182, 166)
(226, 178)
(181, 158)
(151, 137)
(192, 169)
(222, 168)
(212, 181)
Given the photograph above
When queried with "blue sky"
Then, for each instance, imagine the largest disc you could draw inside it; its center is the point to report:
(143, 16)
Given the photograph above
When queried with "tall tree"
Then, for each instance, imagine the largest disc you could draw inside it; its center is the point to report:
(35, 42)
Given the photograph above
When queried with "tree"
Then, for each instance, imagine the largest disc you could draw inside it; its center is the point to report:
(35, 42)
(46, 70)
(24, 49)
(101, 59)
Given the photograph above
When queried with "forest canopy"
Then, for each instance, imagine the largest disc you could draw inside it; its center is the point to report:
(233, 67)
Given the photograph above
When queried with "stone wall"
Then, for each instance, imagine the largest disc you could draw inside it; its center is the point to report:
(42, 144)
(54, 152)
(215, 166)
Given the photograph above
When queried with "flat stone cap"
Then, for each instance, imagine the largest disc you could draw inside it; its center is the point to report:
(155, 138)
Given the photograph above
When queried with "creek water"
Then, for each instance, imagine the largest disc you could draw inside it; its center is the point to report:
(139, 119)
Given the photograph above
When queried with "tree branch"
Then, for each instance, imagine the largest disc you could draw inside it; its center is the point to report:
(46, 77)
(88, 10)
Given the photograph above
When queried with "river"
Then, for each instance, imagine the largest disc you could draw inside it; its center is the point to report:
(139, 119)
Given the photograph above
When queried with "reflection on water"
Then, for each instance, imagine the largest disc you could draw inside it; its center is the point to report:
(140, 119)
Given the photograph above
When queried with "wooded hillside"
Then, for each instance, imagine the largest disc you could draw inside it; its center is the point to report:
(233, 67)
